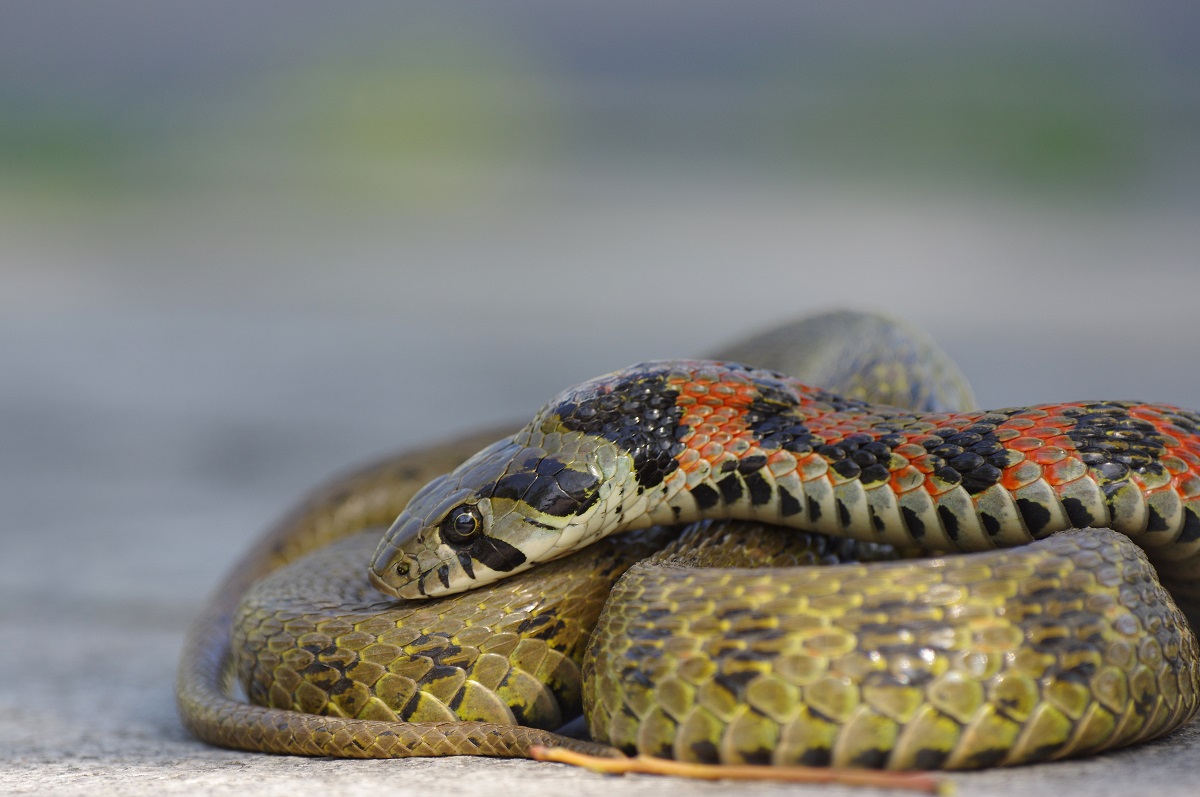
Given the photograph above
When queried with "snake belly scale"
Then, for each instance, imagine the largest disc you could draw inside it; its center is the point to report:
(1065, 645)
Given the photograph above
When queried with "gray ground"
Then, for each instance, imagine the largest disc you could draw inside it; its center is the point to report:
(156, 417)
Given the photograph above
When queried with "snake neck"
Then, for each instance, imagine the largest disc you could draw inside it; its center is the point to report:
(709, 440)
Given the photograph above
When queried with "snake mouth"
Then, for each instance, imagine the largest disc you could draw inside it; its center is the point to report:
(406, 581)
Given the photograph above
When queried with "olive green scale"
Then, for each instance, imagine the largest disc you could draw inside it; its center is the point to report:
(1060, 648)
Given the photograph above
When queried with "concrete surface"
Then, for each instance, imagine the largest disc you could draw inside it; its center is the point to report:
(146, 440)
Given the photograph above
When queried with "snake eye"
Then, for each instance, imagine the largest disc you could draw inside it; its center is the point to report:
(461, 525)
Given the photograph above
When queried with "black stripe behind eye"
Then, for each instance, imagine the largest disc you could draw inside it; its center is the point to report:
(562, 493)
(581, 485)
(497, 554)
(514, 486)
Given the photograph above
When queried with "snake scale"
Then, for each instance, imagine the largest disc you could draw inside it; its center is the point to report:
(727, 644)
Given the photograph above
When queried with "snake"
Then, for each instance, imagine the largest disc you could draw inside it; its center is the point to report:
(723, 564)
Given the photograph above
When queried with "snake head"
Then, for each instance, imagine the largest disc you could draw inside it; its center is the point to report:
(505, 509)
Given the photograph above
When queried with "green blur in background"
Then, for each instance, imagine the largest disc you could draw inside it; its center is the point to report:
(423, 103)
(500, 172)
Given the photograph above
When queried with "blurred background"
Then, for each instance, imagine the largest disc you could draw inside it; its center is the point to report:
(243, 246)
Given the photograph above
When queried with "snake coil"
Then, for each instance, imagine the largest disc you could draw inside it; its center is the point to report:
(727, 645)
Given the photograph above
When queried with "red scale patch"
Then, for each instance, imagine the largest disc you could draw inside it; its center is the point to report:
(1017, 476)
(715, 414)
(1047, 455)
(714, 405)
(905, 479)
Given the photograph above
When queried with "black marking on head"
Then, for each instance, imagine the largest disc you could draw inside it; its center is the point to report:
(916, 526)
(443, 574)
(788, 505)
(1077, 513)
(638, 413)
(513, 486)
(580, 486)
(552, 488)
(497, 554)
(464, 560)
(949, 521)
(758, 487)
(731, 488)
(1036, 516)
(706, 497)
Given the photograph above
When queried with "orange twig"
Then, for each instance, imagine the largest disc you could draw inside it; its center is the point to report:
(646, 765)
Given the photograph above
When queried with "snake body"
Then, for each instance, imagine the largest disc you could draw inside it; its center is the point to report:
(1063, 646)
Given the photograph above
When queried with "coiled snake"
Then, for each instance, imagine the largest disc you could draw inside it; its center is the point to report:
(1063, 646)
